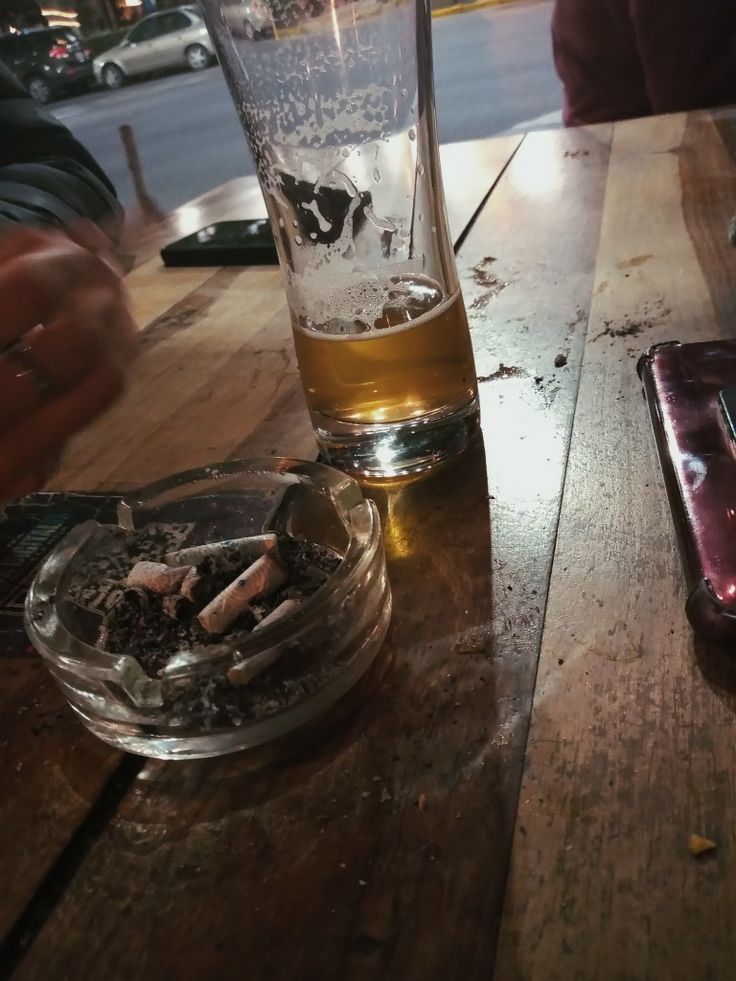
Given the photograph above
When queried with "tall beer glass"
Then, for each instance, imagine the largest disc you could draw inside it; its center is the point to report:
(336, 101)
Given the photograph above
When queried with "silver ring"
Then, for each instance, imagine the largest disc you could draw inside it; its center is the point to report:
(22, 355)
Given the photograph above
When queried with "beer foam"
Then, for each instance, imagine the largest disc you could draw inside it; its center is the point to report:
(318, 292)
(374, 333)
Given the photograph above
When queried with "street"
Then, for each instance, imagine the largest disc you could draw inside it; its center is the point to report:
(493, 71)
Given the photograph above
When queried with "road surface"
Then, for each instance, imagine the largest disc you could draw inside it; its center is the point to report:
(493, 72)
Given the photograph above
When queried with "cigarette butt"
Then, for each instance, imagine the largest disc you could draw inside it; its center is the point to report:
(244, 672)
(155, 576)
(284, 609)
(189, 582)
(229, 554)
(264, 576)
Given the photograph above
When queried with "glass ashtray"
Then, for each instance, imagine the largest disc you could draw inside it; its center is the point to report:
(188, 708)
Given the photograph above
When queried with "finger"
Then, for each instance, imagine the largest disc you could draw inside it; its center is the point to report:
(126, 330)
(54, 359)
(100, 322)
(17, 239)
(34, 480)
(36, 285)
(55, 421)
(51, 463)
(61, 353)
(88, 236)
(20, 391)
(64, 351)
(92, 238)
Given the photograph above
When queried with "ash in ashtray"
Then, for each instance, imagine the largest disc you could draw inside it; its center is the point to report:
(222, 592)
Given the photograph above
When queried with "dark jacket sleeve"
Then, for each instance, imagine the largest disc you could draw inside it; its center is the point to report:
(46, 177)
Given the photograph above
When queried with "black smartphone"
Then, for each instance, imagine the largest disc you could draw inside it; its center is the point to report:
(225, 243)
(691, 392)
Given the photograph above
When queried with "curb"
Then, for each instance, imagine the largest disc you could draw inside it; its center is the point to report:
(455, 8)
(466, 8)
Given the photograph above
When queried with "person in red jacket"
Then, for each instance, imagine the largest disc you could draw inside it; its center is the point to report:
(624, 58)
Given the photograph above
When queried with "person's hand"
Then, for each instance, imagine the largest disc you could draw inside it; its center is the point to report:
(66, 336)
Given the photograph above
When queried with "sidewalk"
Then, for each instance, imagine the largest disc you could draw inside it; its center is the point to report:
(446, 8)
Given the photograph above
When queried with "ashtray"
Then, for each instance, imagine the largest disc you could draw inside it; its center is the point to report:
(297, 666)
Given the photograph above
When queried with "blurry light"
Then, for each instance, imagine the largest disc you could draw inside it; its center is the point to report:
(536, 167)
(189, 219)
(386, 453)
(695, 470)
(336, 28)
(397, 540)
(521, 435)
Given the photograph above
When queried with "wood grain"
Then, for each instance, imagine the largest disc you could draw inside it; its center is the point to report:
(51, 771)
(154, 290)
(209, 371)
(382, 853)
(631, 744)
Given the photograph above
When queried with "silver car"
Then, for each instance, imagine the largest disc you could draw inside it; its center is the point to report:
(171, 39)
(248, 18)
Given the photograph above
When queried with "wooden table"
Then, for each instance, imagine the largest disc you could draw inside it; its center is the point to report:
(519, 790)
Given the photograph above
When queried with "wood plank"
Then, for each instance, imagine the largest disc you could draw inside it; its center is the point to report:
(631, 744)
(154, 289)
(469, 171)
(51, 772)
(223, 353)
(300, 869)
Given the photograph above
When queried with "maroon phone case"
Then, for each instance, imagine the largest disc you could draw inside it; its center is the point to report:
(697, 454)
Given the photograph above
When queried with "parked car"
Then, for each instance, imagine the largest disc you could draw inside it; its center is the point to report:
(255, 19)
(172, 39)
(49, 61)
(248, 18)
